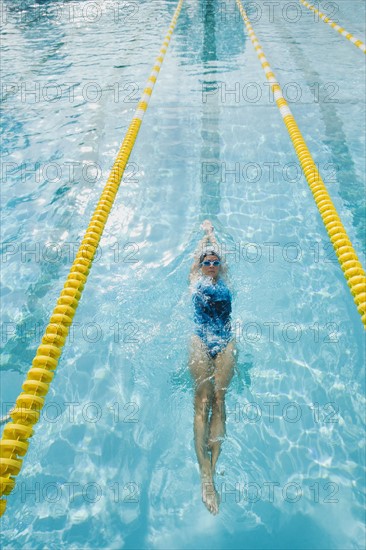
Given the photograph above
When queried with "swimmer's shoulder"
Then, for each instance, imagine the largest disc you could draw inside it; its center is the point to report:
(195, 284)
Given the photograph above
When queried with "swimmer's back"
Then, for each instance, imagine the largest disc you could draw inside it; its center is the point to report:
(212, 303)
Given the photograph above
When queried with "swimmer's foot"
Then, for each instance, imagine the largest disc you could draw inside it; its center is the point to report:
(210, 496)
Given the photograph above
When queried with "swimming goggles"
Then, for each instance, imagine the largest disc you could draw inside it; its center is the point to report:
(206, 263)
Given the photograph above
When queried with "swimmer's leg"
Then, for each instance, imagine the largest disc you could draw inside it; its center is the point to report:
(200, 366)
(224, 370)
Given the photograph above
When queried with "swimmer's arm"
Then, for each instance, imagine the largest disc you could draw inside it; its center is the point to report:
(195, 268)
(208, 238)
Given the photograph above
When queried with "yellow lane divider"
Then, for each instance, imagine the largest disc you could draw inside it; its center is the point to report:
(346, 254)
(25, 414)
(336, 27)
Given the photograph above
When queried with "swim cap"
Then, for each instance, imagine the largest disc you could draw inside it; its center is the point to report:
(209, 253)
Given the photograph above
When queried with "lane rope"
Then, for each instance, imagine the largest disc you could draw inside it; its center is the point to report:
(26, 413)
(347, 257)
(335, 26)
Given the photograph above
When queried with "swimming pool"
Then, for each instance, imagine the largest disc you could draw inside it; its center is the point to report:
(112, 462)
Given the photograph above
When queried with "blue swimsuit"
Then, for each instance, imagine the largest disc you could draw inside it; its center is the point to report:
(212, 309)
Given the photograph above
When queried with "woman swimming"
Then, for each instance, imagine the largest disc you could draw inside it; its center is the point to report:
(212, 358)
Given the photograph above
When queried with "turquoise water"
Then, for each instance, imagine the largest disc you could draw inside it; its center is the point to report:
(112, 462)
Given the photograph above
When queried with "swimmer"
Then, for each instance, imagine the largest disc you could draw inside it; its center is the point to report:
(212, 358)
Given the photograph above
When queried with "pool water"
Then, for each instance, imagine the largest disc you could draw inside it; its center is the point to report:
(112, 461)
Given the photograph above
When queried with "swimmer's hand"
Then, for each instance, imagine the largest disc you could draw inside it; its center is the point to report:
(207, 227)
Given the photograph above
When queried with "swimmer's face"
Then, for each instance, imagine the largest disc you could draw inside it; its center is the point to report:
(210, 270)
